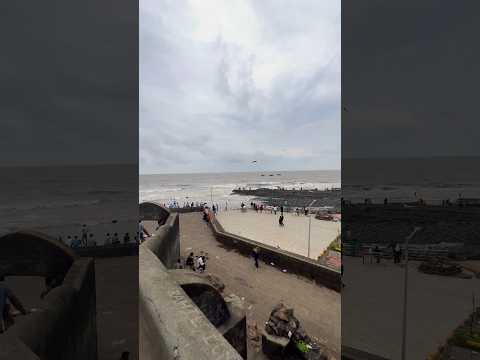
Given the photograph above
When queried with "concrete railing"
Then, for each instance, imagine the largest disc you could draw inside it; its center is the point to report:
(282, 259)
(65, 328)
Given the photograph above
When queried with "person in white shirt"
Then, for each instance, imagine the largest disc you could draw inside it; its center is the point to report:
(200, 264)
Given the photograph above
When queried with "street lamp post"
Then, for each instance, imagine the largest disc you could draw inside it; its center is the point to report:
(309, 234)
(405, 292)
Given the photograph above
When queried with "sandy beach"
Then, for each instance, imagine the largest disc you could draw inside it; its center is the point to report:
(293, 237)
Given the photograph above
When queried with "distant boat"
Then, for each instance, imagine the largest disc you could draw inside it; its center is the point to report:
(270, 175)
(262, 175)
(279, 174)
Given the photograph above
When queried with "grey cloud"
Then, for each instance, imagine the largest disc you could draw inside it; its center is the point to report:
(201, 98)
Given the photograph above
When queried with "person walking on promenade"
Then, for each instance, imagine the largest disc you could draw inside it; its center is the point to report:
(281, 209)
(255, 255)
(84, 235)
(397, 252)
(142, 232)
(280, 220)
(7, 300)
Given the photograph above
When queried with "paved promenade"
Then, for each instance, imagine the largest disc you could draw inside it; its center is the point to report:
(292, 237)
(372, 304)
(317, 308)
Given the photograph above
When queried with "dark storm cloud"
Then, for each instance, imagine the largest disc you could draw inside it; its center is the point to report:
(69, 83)
(409, 78)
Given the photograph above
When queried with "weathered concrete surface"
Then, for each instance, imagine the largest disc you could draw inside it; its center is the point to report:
(233, 325)
(293, 237)
(103, 251)
(170, 323)
(153, 211)
(372, 305)
(65, 326)
(33, 254)
(117, 306)
(165, 242)
(294, 263)
(317, 307)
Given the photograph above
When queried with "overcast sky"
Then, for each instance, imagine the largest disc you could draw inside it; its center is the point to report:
(223, 83)
(69, 89)
(410, 78)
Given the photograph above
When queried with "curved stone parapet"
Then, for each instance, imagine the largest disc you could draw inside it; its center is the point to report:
(171, 325)
(153, 211)
(165, 243)
(65, 325)
(181, 315)
(35, 254)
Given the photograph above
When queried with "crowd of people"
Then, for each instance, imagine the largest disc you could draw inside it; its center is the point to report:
(194, 262)
(87, 238)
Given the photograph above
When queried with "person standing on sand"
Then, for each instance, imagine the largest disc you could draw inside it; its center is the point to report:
(280, 220)
(255, 255)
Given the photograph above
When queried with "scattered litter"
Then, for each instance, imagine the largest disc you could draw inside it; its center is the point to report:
(118, 342)
(250, 307)
(272, 264)
(217, 257)
(284, 270)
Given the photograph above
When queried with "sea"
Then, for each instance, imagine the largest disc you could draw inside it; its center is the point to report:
(58, 200)
(180, 189)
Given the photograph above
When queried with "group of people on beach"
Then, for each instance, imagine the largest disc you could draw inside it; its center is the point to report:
(87, 239)
(259, 208)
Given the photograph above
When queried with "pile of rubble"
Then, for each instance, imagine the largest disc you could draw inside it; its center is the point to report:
(440, 267)
(285, 338)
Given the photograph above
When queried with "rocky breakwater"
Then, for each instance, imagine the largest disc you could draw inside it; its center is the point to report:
(284, 338)
(294, 197)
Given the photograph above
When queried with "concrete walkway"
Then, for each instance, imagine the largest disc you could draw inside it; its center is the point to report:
(293, 237)
(373, 308)
(317, 308)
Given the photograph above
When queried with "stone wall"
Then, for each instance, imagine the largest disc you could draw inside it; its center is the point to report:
(153, 211)
(65, 328)
(130, 249)
(165, 244)
(293, 263)
(171, 325)
(186, 210)
(33, 254)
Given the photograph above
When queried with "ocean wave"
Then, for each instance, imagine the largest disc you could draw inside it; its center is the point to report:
(49, 205)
